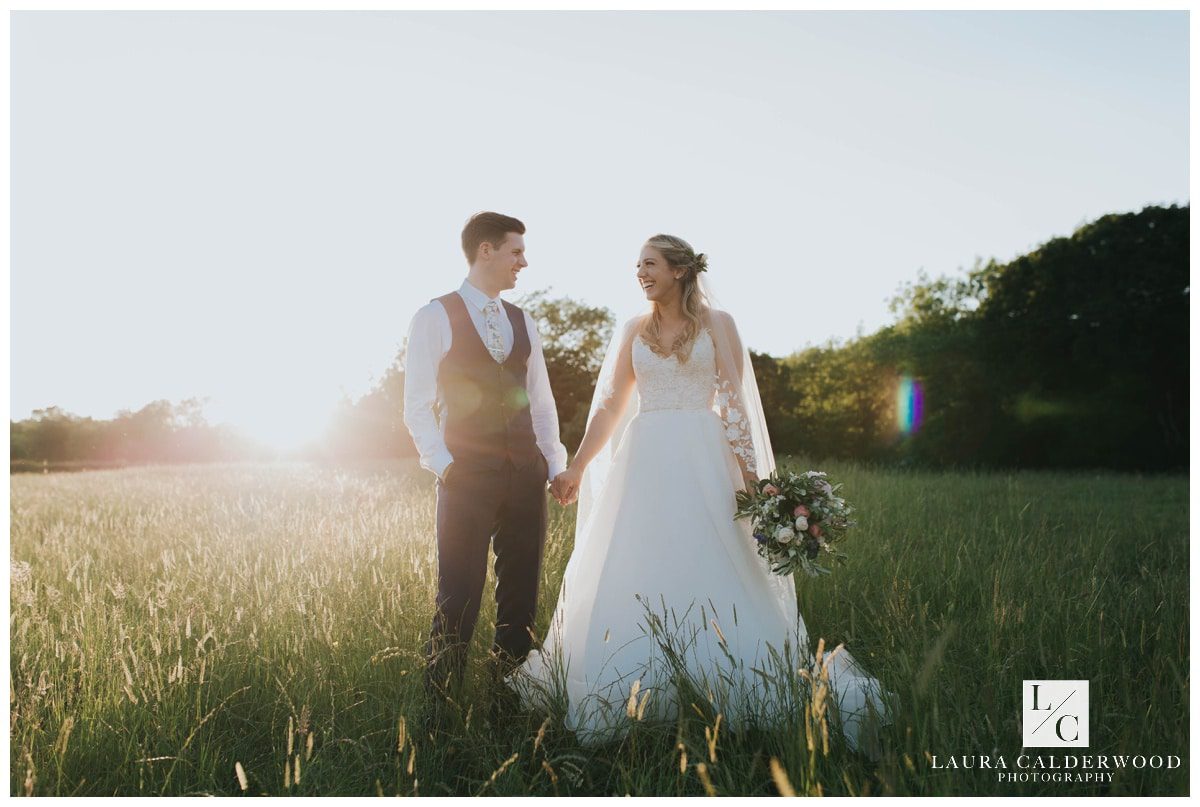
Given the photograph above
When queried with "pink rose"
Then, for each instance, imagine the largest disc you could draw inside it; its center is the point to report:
(771, 490)
(801, 510)
(815, 530)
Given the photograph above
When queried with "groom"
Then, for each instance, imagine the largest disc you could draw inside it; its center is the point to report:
(477, 402)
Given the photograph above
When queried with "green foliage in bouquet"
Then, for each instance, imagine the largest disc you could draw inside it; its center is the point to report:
(795, 518)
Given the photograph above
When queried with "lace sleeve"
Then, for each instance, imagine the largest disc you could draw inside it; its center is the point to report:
(728, 401)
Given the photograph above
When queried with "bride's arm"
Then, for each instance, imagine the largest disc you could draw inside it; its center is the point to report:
(600, 428)
(730, 366)
(603, 423)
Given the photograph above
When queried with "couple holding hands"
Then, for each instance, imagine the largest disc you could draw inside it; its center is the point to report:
(662, 580)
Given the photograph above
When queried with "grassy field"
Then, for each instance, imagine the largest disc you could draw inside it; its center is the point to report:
(209, 629)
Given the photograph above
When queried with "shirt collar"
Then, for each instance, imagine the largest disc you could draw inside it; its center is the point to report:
(476, 297)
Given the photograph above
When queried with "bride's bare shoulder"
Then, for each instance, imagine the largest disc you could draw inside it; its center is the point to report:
(718, 318)
(627, 335)
(633, 326)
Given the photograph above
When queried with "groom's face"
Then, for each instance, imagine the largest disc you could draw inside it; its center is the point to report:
(504, 262)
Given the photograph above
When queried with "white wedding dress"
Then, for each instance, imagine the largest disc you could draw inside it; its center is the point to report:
(663, 580)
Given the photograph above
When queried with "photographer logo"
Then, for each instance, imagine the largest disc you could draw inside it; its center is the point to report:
(1054, 714)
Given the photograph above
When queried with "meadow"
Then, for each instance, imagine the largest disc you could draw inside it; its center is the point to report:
(219, 629)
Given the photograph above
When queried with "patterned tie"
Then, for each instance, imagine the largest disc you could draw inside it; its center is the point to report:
(494, 341)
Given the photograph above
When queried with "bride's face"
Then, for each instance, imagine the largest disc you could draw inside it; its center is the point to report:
(658, 280)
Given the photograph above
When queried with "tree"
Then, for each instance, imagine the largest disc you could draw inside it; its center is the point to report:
(574, 338)
(1087, 337)
(1070, 355)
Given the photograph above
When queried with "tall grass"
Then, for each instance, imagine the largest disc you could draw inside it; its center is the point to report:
(258, 628)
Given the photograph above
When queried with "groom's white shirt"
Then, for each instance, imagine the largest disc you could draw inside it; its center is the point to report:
(429, 340)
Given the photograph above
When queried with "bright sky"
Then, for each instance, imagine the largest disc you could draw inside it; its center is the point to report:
(251, 206)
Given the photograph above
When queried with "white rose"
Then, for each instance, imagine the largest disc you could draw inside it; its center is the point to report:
(784, 534)
(801, 524)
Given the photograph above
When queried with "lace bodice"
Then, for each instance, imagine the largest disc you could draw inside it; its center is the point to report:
(667, 383)
(711, 379)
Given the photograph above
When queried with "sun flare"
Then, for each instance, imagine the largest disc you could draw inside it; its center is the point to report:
(285, 426)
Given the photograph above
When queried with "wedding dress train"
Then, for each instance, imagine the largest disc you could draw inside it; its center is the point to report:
(664, 581)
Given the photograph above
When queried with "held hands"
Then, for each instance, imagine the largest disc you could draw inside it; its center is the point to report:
(565, 487)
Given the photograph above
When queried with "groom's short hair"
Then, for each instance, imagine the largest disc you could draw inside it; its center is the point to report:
(490, 227)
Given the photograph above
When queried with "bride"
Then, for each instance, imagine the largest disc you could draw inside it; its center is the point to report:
(663, 584)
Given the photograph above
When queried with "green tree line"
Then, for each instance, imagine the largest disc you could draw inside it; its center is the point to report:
(160, 432)
(1074, 355)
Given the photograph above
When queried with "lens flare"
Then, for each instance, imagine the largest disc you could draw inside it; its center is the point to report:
(909, 399)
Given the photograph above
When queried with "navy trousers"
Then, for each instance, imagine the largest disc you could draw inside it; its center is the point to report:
(504, 508)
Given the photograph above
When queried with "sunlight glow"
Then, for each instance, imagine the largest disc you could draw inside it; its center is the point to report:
(281, 425)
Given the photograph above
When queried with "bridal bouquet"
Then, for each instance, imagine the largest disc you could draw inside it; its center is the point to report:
(796, 517)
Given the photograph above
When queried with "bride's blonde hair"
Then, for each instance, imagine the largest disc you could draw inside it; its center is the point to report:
(679, 255)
